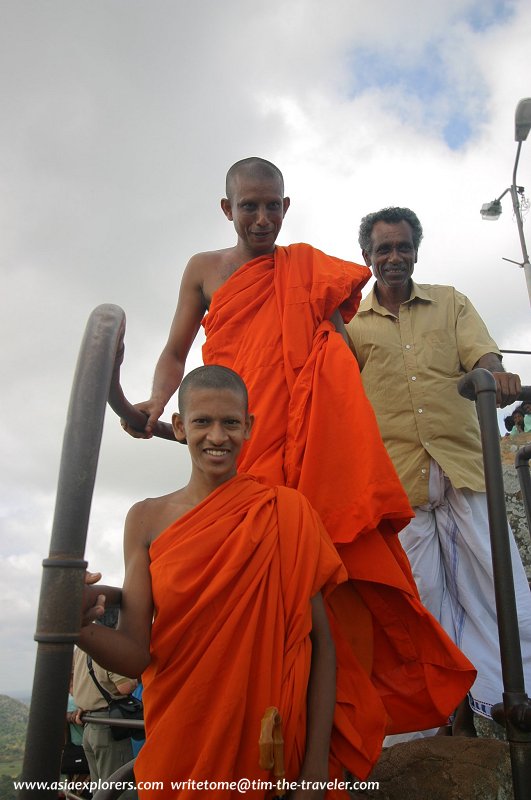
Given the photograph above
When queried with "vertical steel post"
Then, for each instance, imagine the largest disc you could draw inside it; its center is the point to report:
(479, 385)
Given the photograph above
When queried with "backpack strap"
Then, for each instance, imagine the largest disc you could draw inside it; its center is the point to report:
(104, 693)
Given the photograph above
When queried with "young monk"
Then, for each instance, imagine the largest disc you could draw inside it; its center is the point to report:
(275, 315)
(233, 572)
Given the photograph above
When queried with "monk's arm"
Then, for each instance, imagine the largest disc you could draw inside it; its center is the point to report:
(337, 320)
(191, 307)
(321, 699)
(126, 649)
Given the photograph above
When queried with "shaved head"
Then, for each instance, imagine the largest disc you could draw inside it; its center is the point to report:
(211, 377)
(253, 167)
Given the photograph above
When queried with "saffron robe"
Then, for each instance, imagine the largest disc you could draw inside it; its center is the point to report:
(316, 431)
(232, 581)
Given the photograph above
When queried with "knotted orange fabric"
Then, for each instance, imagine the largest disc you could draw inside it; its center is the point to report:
(315, 431)
(232, 582)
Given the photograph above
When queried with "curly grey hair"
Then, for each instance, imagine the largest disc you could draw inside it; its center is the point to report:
(391, 215)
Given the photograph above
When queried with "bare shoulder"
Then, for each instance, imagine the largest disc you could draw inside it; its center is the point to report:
(210, 270)
(203, 275)
(210, 260)
(148, 518)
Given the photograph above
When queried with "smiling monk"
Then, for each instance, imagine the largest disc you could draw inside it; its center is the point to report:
(275, 315)
(233, 571)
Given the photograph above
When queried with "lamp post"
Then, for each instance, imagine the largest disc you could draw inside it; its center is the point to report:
(493, 209)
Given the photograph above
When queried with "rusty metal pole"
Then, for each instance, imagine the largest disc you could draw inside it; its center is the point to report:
(59, 615)
(96, 381)
(479, 385)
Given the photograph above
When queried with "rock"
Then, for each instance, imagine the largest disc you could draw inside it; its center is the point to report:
(442, 768)
(516, 512)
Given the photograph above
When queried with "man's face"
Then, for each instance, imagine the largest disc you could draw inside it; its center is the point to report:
(257, 208)
(215, 424)
(393, 255)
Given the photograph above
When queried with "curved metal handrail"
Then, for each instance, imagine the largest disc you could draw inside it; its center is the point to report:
(122, 776)
(60, 603)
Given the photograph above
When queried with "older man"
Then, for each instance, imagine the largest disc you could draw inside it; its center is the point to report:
(413, 342)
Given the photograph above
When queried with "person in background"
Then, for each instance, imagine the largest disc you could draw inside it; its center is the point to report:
(104, 754)
(413, 341)
(518, 422)
(74, 763)
(526, 411)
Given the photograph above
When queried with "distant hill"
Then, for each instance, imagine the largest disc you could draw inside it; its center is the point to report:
(13, 723)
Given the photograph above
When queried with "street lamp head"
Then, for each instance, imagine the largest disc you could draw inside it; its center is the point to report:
(522, 120)
(491, 210)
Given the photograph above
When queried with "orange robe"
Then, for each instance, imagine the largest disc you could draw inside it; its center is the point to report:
(232, 582)
(316, 431)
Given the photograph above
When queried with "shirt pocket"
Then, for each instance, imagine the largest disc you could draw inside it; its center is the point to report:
(439, 352)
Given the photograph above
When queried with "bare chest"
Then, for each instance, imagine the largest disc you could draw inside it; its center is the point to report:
(216, 276)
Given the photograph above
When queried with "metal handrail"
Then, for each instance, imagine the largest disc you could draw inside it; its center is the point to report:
(60, 603)
(480, 385)
(122, 776)
(116, 722)
(517, 352)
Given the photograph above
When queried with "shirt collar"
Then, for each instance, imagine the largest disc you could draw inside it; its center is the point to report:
(418, 292)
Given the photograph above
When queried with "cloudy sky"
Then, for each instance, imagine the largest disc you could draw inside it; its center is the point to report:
(119, 121)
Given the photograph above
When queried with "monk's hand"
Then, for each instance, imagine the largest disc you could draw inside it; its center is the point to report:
(508, 387)
(152, 409)
(93, 602)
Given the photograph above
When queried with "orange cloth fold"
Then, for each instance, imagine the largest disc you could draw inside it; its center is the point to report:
(316, 431)
(232, 582)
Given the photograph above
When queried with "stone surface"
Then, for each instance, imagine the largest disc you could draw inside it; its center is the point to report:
(442, 768)
(513, 497)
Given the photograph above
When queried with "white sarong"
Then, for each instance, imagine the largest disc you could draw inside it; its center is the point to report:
(448, 546)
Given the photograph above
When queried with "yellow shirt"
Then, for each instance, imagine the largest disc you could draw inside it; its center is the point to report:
(410, 366)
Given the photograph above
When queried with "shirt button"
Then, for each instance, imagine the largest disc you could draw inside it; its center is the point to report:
(420, 410)
(408, 347)
(413, 377)
(423, 471)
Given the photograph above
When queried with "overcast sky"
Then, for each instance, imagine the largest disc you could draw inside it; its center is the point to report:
(119, 121)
